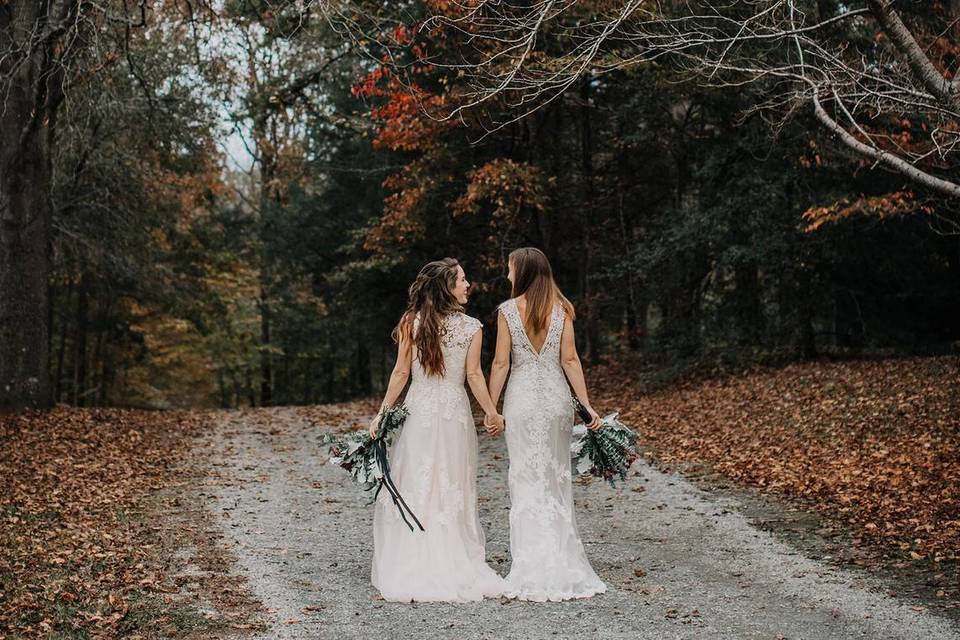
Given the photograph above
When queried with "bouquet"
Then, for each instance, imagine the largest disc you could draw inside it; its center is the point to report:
(606, 452)
(366, 458)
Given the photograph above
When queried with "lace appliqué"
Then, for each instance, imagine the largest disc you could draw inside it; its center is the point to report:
(460, 329)
(433, 493)
(549, 562)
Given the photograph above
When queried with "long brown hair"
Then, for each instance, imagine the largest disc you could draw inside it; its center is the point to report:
(430, 295)
(533, 279)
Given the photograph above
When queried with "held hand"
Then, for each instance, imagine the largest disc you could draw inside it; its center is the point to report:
(375, 422)
(595, 423)
(498, 425)
(488, 426)
(494, 424)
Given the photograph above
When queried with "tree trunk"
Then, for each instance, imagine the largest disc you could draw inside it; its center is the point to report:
(24, 261)
(307, 395)
(62, 348)
(224, 389)
(251, 394)
(632, 321)
(266, 358)
(32, 89)
(586, 151)
(808, 338)
(362, 380)
(96, 371)
(329, 369)
(80, 343)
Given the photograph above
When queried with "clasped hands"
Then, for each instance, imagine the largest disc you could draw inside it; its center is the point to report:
(494, 424)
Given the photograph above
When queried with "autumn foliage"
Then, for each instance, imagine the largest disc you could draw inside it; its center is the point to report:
(872, 443)
(898, 203)
(76, 547)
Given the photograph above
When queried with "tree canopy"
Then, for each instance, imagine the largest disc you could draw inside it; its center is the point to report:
(225, 205)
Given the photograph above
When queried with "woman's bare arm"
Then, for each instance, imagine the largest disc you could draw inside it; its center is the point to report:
(478, 385)
(398, 378)
(501, 359)
(570, 361)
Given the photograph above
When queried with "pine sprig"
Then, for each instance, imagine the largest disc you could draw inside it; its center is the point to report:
(355, 451)
(606, 452)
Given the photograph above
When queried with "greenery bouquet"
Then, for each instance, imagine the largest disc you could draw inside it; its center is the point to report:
(365, 458)
(606, 452)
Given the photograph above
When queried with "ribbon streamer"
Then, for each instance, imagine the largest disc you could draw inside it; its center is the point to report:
(380, 451)
(582, 410)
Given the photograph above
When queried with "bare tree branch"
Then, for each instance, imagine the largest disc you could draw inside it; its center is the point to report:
(907, 45)
(890, 160)
(518, 57)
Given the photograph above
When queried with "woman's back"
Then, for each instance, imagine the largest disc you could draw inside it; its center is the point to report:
(457, 331)
(434, 466)
(524, 355)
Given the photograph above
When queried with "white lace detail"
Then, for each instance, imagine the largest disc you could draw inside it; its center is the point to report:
(549, 562)
(458, 330)
(523, 352)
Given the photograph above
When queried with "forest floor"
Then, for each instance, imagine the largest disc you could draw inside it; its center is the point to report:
(231, 524)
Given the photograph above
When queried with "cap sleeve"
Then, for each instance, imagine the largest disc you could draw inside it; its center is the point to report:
(509, 310)
(471, 325)
(461, 329)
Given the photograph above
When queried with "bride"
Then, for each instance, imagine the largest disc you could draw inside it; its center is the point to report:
(434, 460)
(535, 332)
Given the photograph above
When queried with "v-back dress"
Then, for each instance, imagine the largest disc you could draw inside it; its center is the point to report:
(548, 558)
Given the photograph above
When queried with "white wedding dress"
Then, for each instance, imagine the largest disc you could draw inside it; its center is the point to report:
(434, 465)
(549, 562)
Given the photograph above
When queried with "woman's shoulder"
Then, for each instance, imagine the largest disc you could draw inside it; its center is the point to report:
(467, 317)
(510, 303)
(565, 307)
(462, 319)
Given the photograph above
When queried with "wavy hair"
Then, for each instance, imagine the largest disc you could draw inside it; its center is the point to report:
(430, 295)
(533, 279)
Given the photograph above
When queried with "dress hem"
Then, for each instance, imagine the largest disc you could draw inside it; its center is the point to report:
(440, 598)
(554, 596)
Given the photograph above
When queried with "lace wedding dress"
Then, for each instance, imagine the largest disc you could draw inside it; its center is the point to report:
(549, 562)
(434, 465)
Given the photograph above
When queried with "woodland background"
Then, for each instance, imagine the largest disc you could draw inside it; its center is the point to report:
(221, 204)
(226, 203)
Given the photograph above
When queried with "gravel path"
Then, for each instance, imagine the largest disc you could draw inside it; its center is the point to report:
(679, 562)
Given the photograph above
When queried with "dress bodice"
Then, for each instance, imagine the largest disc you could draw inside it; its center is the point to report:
(522, 354)
(458, 330)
